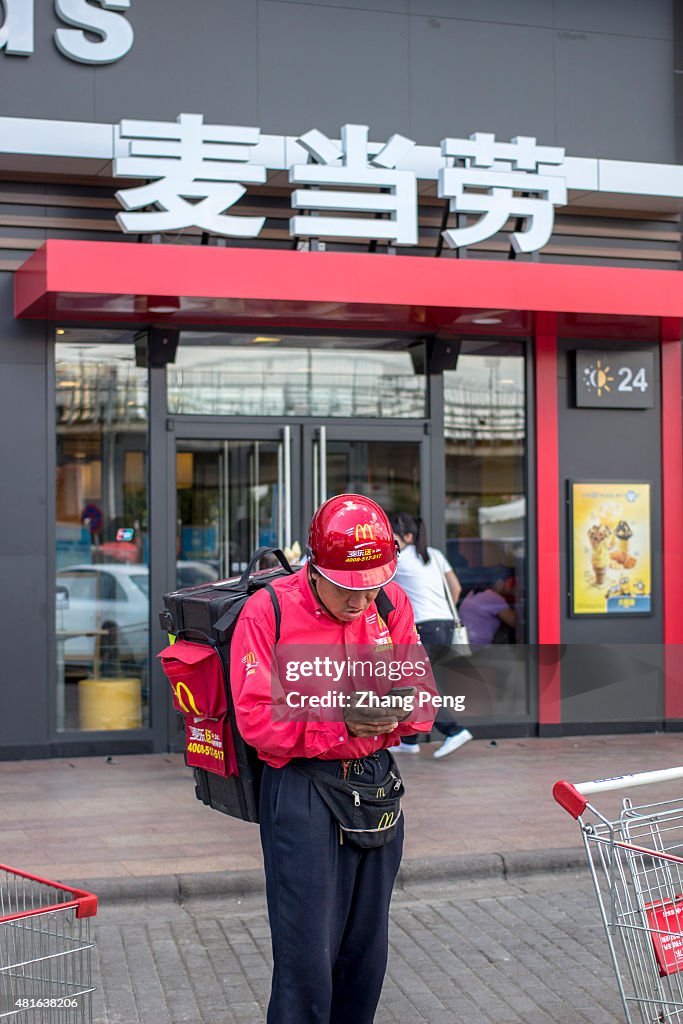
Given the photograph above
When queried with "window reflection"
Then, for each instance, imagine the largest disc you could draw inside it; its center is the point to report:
(486, 514)
(272, 376)
(102, 607)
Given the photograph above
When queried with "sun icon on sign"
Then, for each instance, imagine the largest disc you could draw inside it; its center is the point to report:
(597, 378)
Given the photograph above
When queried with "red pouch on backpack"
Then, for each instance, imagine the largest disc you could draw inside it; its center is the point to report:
(209, 745)
(196, 677)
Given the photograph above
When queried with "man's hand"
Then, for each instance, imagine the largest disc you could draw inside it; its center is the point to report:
(361, 726)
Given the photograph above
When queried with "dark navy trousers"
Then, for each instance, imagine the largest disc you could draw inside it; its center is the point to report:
(328, 903)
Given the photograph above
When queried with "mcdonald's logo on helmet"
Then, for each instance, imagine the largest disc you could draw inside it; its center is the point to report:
(337, 528)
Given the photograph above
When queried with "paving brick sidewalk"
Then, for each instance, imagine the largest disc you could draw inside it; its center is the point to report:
(500, 953)
(133, 821)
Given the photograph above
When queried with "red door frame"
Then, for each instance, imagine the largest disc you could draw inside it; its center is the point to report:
(672, 514)
(547, 520)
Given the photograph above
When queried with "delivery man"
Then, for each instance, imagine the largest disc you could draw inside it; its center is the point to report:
(328, 899)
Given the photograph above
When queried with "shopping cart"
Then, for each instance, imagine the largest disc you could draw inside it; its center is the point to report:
(636, 862)
(45, 969)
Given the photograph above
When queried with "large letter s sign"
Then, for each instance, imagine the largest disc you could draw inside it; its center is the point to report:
(117, 33)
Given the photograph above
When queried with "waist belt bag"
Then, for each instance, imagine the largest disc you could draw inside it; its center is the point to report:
(367, 813)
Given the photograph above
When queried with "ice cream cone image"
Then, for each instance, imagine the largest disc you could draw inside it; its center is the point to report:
(599, 536)
(623, 533)
(609, 514)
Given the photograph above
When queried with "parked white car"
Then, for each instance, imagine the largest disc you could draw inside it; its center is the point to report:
(103, 613)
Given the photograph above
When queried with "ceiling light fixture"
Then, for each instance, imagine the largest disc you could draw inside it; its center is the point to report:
(487, 320)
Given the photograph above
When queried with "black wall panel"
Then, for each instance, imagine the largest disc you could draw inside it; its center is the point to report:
(26, 598)
(611, 667)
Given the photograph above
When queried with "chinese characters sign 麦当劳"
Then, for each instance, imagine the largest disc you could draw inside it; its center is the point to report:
(195, 172)
(611, 549)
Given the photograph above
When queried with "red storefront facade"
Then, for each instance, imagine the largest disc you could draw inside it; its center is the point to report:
(117, 285)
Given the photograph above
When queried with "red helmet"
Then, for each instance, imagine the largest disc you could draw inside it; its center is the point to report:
(351, 543)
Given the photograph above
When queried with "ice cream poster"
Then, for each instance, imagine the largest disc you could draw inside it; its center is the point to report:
(611, 555)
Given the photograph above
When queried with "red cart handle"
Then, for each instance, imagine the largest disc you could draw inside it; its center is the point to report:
(85, 903)
(573, 796)
(569, 797)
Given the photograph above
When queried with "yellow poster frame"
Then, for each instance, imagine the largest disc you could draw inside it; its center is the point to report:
(585, 597)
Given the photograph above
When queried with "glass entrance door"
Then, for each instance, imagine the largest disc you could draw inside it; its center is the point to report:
(388, 467)
(232, 496)
(236, 493)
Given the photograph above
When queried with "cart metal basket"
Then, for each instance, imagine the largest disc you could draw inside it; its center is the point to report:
(45, 946)
(636, 863)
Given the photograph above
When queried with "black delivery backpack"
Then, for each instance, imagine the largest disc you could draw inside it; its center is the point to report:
(206, 615)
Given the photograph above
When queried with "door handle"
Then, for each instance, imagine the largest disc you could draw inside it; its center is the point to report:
(287, 485)
(322, 471)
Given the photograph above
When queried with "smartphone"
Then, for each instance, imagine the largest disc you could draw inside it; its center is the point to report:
(405, 707)
(395, 709)
(402, 691)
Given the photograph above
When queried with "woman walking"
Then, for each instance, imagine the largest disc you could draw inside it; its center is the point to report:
(423, 573)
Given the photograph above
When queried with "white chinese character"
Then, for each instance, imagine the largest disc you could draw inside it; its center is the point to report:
(350, 165)
(508, 169)
(191, 161)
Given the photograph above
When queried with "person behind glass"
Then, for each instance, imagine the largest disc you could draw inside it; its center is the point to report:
(423, 572)
(484, 611)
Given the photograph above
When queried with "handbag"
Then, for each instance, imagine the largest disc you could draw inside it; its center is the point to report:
(459, 638)
(367, 813)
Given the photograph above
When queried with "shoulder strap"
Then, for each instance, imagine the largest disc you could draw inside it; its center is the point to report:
(276, 608)
(384, 606)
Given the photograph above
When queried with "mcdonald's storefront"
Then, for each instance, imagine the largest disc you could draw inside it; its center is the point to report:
(202, 401)
(468, 306)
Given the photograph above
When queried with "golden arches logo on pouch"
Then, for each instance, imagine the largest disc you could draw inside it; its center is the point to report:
(181, 689)
(387, 820)
(364, 532)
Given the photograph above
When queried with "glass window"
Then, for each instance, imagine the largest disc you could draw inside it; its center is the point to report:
(262, 375)
(102, 612)
(485, 436)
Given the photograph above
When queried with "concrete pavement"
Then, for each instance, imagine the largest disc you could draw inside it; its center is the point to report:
(130, 826)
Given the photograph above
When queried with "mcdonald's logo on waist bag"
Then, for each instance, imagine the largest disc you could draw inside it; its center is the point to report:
(387, 820)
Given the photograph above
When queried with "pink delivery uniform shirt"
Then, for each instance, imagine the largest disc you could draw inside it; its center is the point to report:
(305, 622)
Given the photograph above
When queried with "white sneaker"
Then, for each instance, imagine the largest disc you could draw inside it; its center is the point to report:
(452, 743)
(406, 748)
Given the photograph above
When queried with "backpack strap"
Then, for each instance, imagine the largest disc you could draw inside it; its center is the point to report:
(384, 606)
(224, 626)
(276, 608)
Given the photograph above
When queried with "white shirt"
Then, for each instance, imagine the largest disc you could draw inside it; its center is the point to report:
(424, 584)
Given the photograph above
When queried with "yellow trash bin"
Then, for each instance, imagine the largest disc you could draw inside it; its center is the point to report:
(109, 704)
